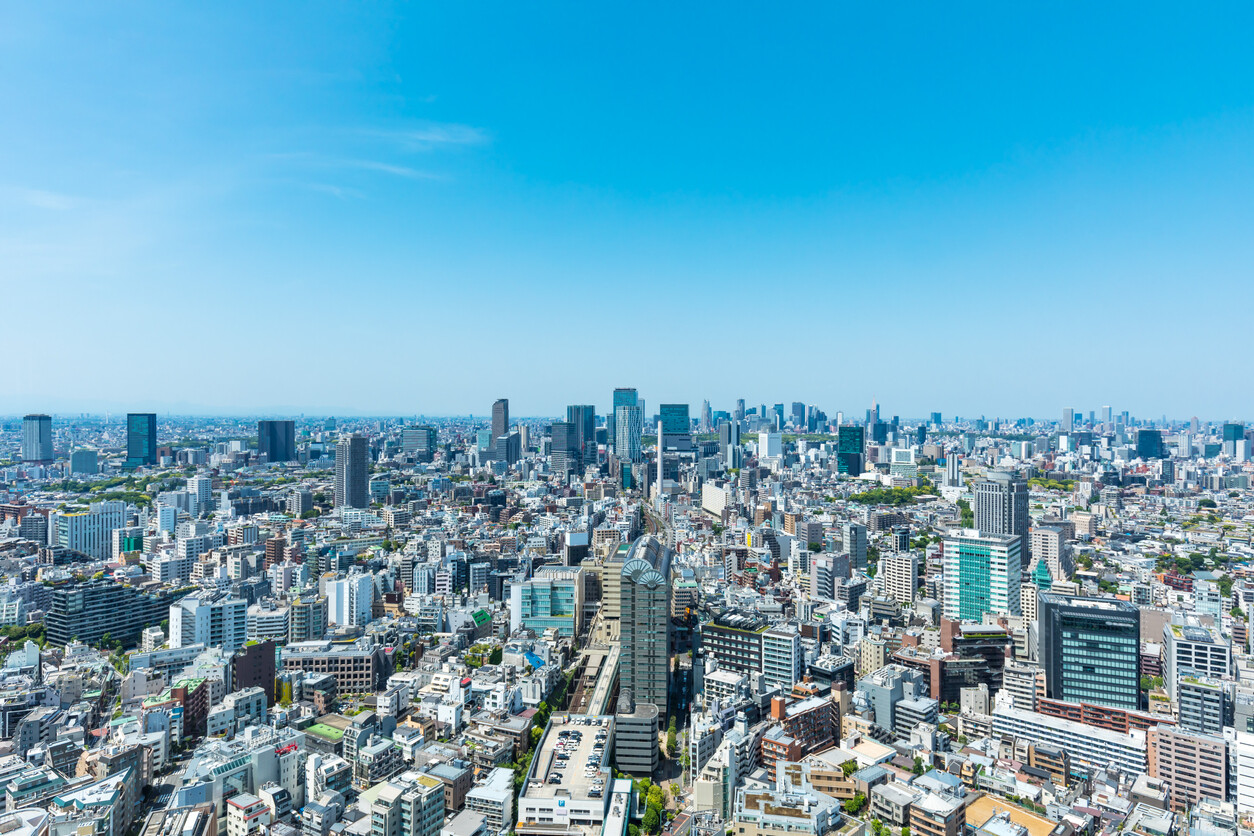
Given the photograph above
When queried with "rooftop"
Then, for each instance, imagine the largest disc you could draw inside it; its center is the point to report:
(575, 783)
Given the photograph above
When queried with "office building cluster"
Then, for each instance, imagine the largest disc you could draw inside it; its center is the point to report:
(761, 620)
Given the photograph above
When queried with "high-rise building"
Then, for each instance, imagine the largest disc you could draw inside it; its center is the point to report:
(584, 419)
(141, 439)
(37, 438)
(850, 448)
(211, 619)
(783, 660)
(84, 461)
(276, 440)
(854, 544)
(1235, 444)
(1090, 649)
(351, 457)
(622, 397)
(983, 574)
(739, 413)
(1149, 444)
(350, 600)
(1068, 420)
(644, 665)
(565, 448)
(500, 418)
(729, 443)
(420, 441)
(1001, 504)
(628, 428)
(88, 532)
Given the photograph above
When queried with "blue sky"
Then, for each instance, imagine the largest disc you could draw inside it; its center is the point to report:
(362, 208)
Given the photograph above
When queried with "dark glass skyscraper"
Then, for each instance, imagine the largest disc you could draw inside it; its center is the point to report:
(565, 452)
(1090, 650)
(276, 440)
(675, 420)
(850, 443)
(584, 419)
(141, 439)
(1149, 444)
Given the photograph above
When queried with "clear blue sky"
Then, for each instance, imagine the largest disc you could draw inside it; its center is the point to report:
(356, 208)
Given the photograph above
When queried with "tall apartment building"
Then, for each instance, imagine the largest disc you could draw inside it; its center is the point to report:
(89, 532)
(211, 619)
(783, 661)
(1049, 543)
(351, 471)
(1090, 649)
(276, 440)
(1189, 648)
(1194, 765)
(983, 573)
(37, 438)
(307, 617)
(350, 600)
(1001, 503)
(900, 575)
(644, 664)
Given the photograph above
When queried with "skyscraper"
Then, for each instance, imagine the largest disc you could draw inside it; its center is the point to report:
(1090, 649)
(1001, 504)
(276, 440)
(622, 397)
(1068, 420)
(739, 413)
(141, 439)
(37, 438)
(1235, 445)
(500, 418)
(983, 574)
(565, 449)
(644, 665)
(628, 427)
(850, 445)
(584, 419)
(1149, 444)
(421, 441)
(351, 456)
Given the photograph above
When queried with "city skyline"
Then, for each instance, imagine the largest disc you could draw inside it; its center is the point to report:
(853, 203)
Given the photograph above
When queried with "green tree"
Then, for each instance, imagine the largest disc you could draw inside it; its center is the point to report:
(855, 805)
(918, 766)
(652, 822)
(671, 734)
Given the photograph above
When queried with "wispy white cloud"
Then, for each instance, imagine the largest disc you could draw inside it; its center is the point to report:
(342, 192)
(428, 136)
(389, 168)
